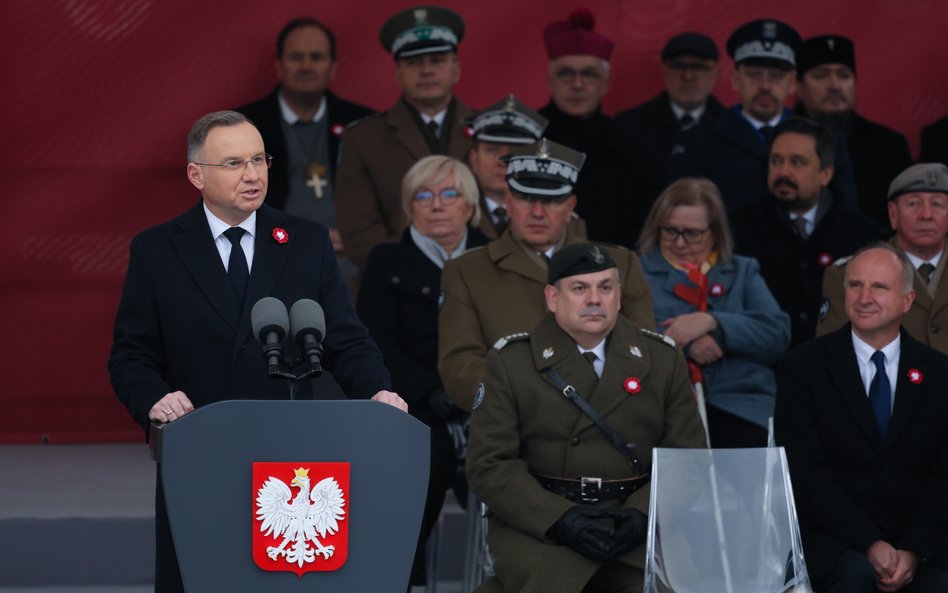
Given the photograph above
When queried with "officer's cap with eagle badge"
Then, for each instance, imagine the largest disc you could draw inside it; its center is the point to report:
(543, 170)
(920, 178)
(579, 258)
(826, 49)
(765, 42)
(422, 30)
(508, 121)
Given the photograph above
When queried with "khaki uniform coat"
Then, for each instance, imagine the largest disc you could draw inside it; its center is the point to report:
(926, 321)
(497, 290)
(376, 153)
(524, 426)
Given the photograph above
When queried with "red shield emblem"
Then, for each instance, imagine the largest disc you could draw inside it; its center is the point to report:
(300, 516)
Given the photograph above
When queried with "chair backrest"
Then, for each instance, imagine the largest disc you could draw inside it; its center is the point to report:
(723, 521)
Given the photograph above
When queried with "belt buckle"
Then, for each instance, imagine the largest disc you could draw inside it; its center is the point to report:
(589, 489)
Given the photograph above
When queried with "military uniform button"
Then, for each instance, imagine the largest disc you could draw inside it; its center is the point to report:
(425, 290)
(574, 441)
(396, 279)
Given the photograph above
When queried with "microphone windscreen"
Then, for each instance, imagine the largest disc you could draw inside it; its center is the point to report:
(306, 316)
(269, 314)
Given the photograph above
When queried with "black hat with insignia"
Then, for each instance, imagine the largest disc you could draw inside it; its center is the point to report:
(578, 258)
(826, 49)
(920, 178)
(508, 121)
(543, 170)
(422, 30)
(694, 44)
(765, 42)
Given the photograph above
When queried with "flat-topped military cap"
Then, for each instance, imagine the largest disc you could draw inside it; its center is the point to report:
(765, 42)
(694, 44)
(920, 178)
(826, 49)
(543, 170)
(576, 259)
(422, 30)
(508, 121)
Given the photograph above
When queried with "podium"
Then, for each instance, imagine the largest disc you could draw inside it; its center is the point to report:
(206, 462)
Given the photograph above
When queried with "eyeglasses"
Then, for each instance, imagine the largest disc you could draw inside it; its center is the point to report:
(258, 162)
(425, 198)
(586, 75)
(691, 236)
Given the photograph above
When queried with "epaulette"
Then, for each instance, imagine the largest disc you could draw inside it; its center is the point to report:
(499, 344)
(841, 261)
(658, 336)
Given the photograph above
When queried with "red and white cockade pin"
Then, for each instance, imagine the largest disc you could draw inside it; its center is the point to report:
(632, 385)
(281, 235)
(915, 376)
(717, 289)
(338, 129)
(469, 131)
(824, 259)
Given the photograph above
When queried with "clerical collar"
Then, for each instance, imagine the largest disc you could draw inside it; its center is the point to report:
(290, 117)
(680, 112)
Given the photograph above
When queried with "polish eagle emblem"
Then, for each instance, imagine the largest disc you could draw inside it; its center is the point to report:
(296, 526)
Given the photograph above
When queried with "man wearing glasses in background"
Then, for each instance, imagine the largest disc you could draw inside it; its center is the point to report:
(183, 336)
(578, 77)
(426, 119)
(689, 73)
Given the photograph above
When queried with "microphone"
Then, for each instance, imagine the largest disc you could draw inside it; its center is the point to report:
(308, 325)
(270, 326)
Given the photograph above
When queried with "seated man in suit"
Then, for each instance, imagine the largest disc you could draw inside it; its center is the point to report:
(183, 335)
(551, 530)
(863, 415)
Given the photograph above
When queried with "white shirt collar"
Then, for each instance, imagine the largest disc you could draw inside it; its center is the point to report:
(759, 124)
(680, 112)
(917, 261)
(867, 368)
(600, 351)
(290, 117)
(438, 117)
(218, 226)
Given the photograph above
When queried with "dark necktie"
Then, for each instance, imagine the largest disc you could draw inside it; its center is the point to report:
(880, 394)
(686, 121)
(237, 267)
(768, 133)
(435, 129)
(591, 359)
(500, 215)
(925, 270)
(799, 225)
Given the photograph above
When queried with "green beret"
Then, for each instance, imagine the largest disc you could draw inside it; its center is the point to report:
(579, 258)
(923, 177)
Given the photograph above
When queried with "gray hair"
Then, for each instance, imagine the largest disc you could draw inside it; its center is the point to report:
(689, 191)
(202, 127)
(431, 170)
(908, 270)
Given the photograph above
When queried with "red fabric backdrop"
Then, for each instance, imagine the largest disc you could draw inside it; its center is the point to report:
(99, 96)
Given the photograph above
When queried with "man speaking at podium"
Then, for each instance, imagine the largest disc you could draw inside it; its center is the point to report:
(183, 336)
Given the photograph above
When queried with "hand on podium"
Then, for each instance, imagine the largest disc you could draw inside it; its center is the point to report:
(173, 405)
(390, 398)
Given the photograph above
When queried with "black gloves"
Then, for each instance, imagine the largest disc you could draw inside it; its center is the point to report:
(582, 529)
(442, 407)
(579, 529)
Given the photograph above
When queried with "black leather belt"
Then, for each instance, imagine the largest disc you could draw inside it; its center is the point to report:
(591, 490)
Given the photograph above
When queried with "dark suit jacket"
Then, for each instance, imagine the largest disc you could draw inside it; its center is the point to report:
(266, 115)
(178, 326)
(649, 132)
(732, 154)
(934, 146)
(851, 486)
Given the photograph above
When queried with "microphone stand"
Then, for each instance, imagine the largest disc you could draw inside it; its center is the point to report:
(285, 370)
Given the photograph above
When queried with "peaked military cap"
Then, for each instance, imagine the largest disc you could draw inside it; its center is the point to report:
(694, 44)
(578, 258)
(508, 121)
(923, 177)
(826, 49)
(765, 42)
(422, 30)
(543, 170)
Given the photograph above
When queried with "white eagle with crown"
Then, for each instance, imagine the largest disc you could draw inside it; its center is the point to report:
(311, 513)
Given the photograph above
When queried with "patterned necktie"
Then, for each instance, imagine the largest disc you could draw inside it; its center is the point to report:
(880, 394)
(237, 267)
(925, 270)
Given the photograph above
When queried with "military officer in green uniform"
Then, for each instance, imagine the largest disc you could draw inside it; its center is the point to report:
(568, 502)
(918, 213)
(497, 290)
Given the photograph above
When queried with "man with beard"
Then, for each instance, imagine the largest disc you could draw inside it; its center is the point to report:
(803, 228)
(826, 87)
(578, 76)
(918, 212)
(733, 151)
